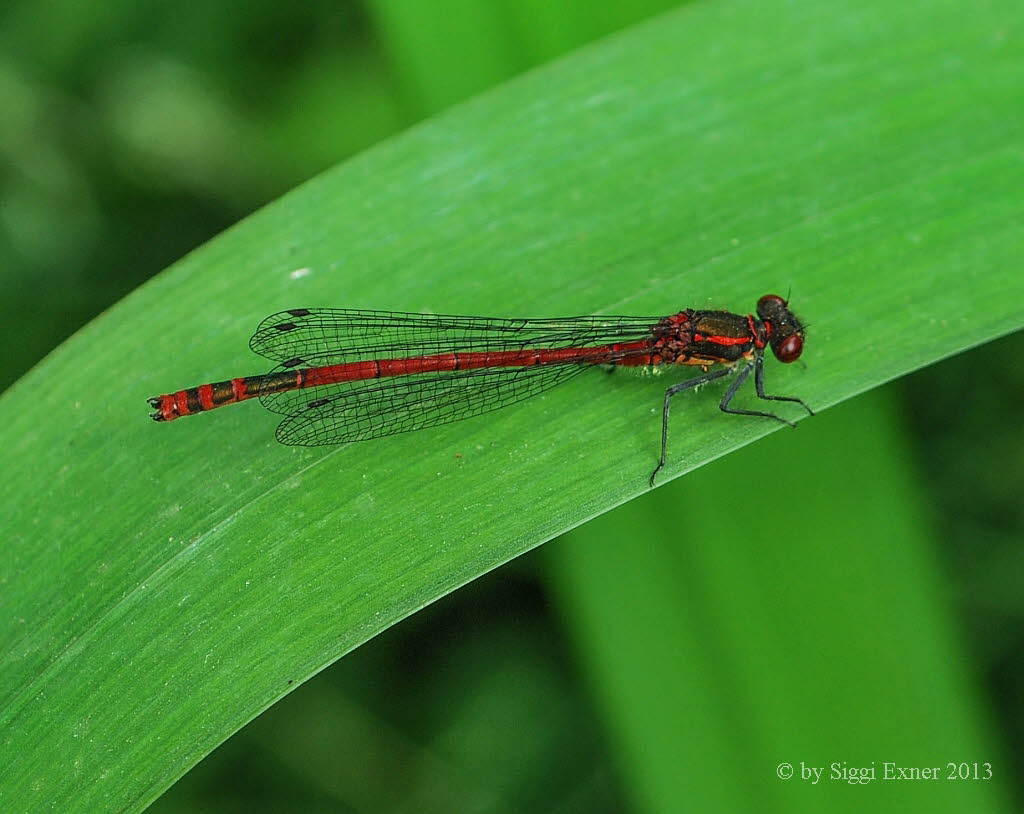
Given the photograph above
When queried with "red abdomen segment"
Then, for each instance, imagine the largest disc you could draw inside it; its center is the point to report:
(208, 396)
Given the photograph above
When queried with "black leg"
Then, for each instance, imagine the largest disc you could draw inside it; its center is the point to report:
(741, 377)
(678, 388)
(742, 374)
(759, 386)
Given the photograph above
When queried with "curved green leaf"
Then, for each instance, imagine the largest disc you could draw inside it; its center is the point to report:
(163, 584)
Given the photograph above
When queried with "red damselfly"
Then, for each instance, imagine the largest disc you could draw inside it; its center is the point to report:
(440, 369)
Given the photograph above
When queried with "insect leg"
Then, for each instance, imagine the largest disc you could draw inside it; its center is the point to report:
(759, 386)
(741, 377)
(678, 388)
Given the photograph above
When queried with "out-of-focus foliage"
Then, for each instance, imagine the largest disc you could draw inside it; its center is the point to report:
(132, 132)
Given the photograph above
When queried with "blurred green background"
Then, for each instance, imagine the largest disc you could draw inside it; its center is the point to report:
(133, 132)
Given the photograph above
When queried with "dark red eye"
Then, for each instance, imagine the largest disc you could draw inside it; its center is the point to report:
(773, 299)
(790, 348)
(773, 307)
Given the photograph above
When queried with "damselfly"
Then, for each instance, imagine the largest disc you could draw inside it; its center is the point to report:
(349, 375)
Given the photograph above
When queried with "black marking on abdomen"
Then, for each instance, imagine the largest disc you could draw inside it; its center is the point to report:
(222, 393)
(195, 404)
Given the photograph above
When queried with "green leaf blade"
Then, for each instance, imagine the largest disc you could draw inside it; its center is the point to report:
(163, 584)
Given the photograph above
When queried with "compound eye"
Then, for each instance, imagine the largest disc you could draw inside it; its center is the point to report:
(790, 348)
(771, 299)
(771, 306)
